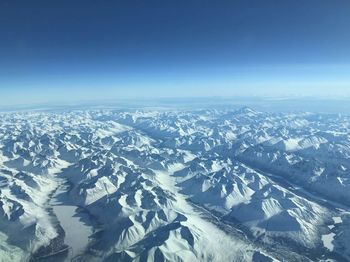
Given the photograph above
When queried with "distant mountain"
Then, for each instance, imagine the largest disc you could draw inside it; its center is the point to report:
(205, 185)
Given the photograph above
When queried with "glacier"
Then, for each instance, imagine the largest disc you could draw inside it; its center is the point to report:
(174, 185)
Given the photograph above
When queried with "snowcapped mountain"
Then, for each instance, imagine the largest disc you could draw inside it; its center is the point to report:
(205, 185)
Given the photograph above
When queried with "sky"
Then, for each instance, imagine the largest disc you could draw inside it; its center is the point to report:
(56, 51)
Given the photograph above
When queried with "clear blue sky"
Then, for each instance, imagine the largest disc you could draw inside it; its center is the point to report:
(82, 50)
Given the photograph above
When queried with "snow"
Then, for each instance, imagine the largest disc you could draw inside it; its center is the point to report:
(218, 185)
(328, 241)
(77, 233)
(102, 187)
(9, 252)
(337, 220)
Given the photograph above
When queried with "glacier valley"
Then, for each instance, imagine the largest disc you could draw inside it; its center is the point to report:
(174, 185)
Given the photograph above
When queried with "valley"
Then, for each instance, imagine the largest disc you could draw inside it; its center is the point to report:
(197, 185)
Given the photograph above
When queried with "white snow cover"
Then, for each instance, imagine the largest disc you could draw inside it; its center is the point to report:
(199, 185)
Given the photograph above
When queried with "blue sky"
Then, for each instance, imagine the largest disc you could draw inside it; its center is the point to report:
(52, 51)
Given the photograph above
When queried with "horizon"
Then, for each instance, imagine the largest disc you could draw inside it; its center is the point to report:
(271, 104)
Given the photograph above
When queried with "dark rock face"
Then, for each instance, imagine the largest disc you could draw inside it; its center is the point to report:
(55, 250)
